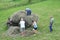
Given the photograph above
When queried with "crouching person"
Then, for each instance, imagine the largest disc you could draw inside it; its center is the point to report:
(9, 22)
(35, 26)
(22, 26)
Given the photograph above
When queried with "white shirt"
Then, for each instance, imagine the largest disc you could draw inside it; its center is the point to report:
(22, 24)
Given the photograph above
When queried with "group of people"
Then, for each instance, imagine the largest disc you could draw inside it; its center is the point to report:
(34, 23)
(22, 26)
(22, 23)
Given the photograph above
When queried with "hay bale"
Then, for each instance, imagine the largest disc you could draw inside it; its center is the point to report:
(13, 30)
(28, 33)
(16, 18)
(31, 18)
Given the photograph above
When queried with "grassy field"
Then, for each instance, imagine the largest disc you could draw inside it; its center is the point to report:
(5, 4)
(44, 10)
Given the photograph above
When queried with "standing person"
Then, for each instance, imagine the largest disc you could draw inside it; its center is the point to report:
(51, 23)
(22, 26)
(35, 26)
(28, 11)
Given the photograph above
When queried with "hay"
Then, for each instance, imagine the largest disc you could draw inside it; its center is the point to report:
(12, 30)
(15, 18)
(31, 18)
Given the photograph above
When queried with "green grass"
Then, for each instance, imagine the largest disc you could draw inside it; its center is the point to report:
(5, 4)
(8, 4)
(44, 10)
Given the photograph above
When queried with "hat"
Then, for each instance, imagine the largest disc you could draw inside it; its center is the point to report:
(28, 9)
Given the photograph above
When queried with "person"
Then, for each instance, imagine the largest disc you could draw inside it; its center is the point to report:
(9, 22)
(51, 23)
(28, 11)
(35, 26)
(22, 26)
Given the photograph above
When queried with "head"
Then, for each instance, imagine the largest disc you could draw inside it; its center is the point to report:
(8, 18)
(27, 9)
(34, 21)
(51, 16)
(21, 19)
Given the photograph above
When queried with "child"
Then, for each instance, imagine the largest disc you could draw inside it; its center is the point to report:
(51, 23)
(22, 26)
(35, 26)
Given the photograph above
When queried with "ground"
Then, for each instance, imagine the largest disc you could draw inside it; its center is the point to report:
(44, 10)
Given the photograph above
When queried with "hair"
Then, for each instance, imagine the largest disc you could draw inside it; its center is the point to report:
(21, 18)
(8, 18)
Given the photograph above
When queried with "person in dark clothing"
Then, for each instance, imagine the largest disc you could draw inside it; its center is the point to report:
(28, 11)
(9, 23)
(51, 23)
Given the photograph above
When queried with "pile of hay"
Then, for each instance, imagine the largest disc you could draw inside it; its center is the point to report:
(17, 15)
(12, 31)
(13, 23)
